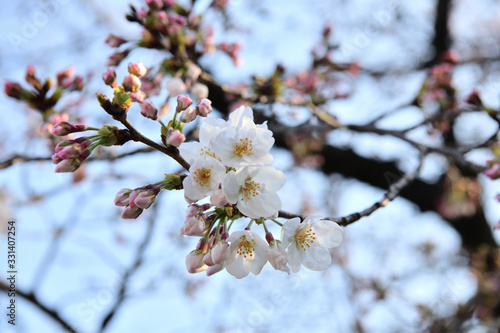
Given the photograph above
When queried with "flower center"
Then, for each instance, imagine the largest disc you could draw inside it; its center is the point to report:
(245, 248)
(250, 189)
(305, 237)
(243, 147)
(207, 151)
(202, 177)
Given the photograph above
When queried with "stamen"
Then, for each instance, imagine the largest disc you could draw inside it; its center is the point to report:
(243, 147)
(305, 237)
(202, 177)
(245, 248)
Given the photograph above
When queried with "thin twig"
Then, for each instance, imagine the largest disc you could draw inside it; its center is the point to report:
(139, 257)
(390, 195)
(29, 296)
(170, 150)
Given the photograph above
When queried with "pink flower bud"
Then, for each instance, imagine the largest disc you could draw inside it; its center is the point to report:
(148, 110)
(193, 71)
(138, 96)
(175, 137)
(154, 4)
(131, 213)
(137, 69)
(207, 259)
(175, 86)
(145, 199)
(116, 58)
(218, 199)
(69, 152)
(199, 91)
(194, 226)
(204, 107)
(188, 115)
(109, 77)
(13, 90)
(56, 159)
(67, 166)
(64, 128)
(183, 101)
(63, 76)
(114, 41)
(131, 83)
(219, 252)
(497, 226)
(215, 269)
(194, 263)
(122, 197)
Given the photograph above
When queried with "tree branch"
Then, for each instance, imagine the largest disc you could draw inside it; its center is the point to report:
(29, 296)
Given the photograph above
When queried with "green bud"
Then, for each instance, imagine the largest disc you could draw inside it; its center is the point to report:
(173, 181)
(108, 134)
(122, 98)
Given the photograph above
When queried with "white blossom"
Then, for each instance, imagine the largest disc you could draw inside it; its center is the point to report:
(278, 258)
(191, 151)
(245, 144)
(247, 253)
(308, 242)
(253, 190)
(205, 176)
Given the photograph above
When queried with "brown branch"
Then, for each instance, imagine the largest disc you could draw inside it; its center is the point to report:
(393, 191)
(29, 296)
(170, 150)
(18, 158)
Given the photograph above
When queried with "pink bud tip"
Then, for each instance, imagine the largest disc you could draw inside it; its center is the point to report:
(137, 69)
(183, 101)
(148, 110)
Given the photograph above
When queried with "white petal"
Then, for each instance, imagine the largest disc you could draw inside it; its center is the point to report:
(315, 258)
(239, 268)
(294, 258)
(271, 178)
(329, 234)
(289, 230)
(230, 187)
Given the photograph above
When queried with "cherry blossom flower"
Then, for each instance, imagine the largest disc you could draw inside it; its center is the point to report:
(253, 189)
(247, 253)
(191, 151)
(308, 242)
(205, 176)
(244, 143)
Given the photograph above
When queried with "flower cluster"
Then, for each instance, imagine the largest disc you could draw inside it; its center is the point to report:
(229, 164)
(305, 244)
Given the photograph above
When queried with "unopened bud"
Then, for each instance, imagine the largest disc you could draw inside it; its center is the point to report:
(131, 83)
(64, 128)
(13, 89)
(175, 137)
(194, 263)
(109, 77)
(137, 69)
(131, 213)
(183, 101)
(199, 91)
(148, 110)
(188, 115)
(175, 86)
(122, 197)
(115, 41)
(138, 96)
(204, 107)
